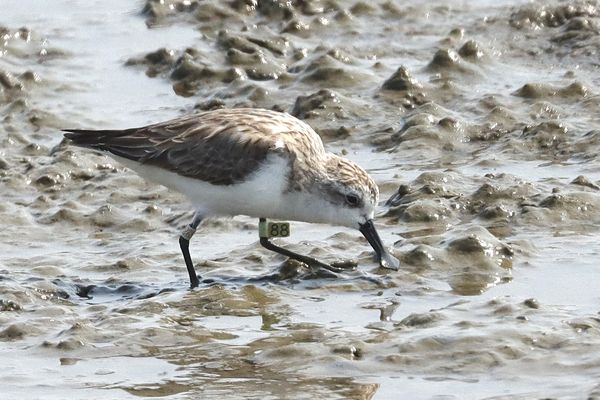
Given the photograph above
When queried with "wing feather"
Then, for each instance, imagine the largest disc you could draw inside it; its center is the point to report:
(220, 147)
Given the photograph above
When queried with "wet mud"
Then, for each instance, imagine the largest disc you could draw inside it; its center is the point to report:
(479, 121)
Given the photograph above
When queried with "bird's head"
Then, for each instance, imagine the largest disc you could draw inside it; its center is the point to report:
(351, 197)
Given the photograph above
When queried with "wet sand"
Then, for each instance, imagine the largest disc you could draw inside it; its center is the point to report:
(479, 121)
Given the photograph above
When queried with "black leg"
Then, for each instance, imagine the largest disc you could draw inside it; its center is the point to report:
(185, 249)
(267, 244)
(184, 244)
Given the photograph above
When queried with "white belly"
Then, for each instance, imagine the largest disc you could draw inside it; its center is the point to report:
(262, 195)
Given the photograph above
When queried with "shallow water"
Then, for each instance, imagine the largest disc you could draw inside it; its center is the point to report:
(479, 121)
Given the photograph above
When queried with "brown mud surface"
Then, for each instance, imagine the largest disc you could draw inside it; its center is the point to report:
(479, 120)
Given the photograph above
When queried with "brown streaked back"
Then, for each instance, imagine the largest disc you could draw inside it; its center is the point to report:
(220, 147)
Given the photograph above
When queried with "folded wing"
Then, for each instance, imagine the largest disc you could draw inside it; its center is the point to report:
(220, 147)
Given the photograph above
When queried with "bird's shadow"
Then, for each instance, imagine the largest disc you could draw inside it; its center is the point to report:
(290, 273)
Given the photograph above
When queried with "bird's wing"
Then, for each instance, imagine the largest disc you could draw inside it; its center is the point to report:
(220, 147)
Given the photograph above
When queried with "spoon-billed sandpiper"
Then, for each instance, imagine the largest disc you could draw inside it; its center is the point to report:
(244, 161)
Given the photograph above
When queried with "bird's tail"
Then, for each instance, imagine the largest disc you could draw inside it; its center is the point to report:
(127, 143)
(94, 139)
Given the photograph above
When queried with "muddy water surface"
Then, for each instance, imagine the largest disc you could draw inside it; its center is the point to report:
(479, 121)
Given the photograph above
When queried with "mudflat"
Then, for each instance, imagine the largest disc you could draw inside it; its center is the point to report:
(479, 120)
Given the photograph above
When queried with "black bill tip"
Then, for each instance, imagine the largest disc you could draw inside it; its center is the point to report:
(386, 260)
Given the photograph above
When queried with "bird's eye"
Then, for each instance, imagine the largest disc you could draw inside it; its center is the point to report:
(352, 199)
